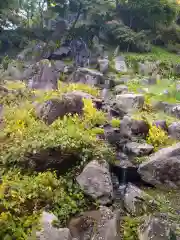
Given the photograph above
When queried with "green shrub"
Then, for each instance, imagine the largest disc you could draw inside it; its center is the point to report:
(130, 226)
(115, 123)
(158, 137)
(22, 199)
(23, 134)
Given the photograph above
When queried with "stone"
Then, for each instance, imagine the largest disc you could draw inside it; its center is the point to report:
(98, 223)
(138, 149)
(154, 228)
(48, 231)
(161, 124)
(137, 202)
(102, 230)
(46, 77)
(177, 69)
(60, 53)
(119, 89)
(120, 64)
(95, 181)
(139, 127)
(103, 65)
(150, 80)
(174, 130)
(87, 76)
(50, 110)
(162, 167)
(130, 101)
(113, 227)
(147, 68)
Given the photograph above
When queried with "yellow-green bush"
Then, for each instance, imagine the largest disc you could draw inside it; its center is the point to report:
(63, 88)
(158, 137)
(24, 133)
(115, 123)
(92, 116)
(24, 197)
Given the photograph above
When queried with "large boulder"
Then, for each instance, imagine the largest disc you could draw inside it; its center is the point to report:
(162, 168)
(103, 65)
(130, 101)
(48, 231)
(138, 149)
(120, 64)
(50, 110)
(174, 130)
(137, 202)
(119, 89)
(154, 228)
(95, 181)
(97, 224)
(46, 77)
(87, 76)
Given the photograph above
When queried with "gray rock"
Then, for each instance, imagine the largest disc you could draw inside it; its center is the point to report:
(53, 109)
(147, 68)
(45, 78)
(48, 231)
(119, 89)
(162, 167)
(98, 224)
(137, 202)
(155, 228)
(138, 149)
(60, 53)
(130, 101)
(174, 130)
(87, 76)
(95, 180)
(161, 124)
(102, 231)
(103, 65)
(149, 80)
(120, 64)
(139, 127)
(113, 227)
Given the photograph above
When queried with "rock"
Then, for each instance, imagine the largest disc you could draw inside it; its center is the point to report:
(130, 101)
(119, 89)
(49, 231)
(87, 76)
(60, 53)
(147, 68)
(59, 66)
(161, 124)
(120, 64)
(113, 228)
(177, 69)
(137, 202)
(95, 181)
(103, 65)
(102, 230)
(150, 80)
(46, 77)
(162, 167)
(50, 110)
(123, 79)
(97, 224)
(116, 136)
(139, 127)
(138, 149)
(155, 228)
(174, 130)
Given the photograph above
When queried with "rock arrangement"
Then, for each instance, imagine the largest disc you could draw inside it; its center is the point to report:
(113, 185)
